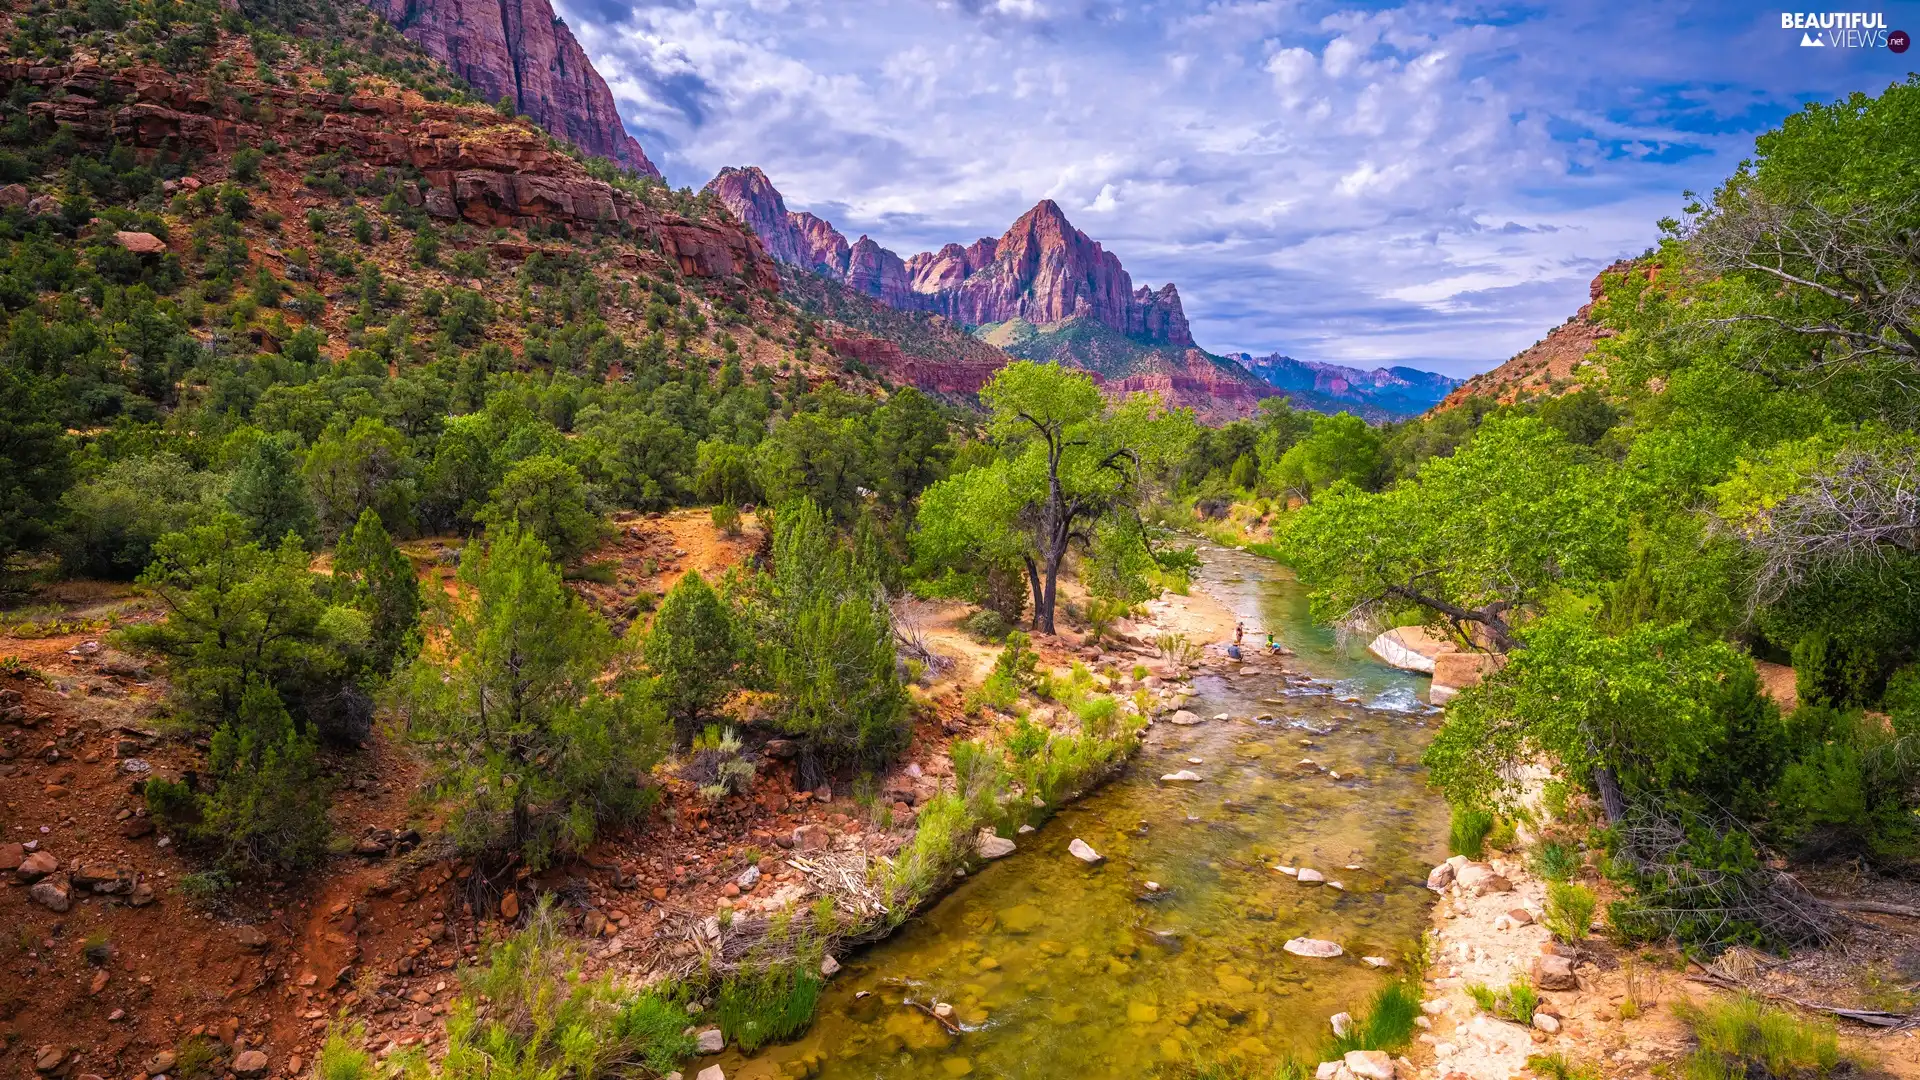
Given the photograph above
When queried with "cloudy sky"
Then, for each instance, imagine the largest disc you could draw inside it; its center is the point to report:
(1426, 183)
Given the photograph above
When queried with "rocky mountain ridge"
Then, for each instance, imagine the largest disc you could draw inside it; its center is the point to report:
(523, 51)
(1041, 270)
(1547, 367)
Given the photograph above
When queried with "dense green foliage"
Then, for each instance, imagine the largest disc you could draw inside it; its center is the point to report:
(1736, 483)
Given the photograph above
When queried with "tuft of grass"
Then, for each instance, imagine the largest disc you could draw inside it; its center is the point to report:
(1387, 1024)
(1743, 1037)
(1557, 1066)
(1517, 1002)
(1569, 912)
(342, 1057)
(656, 1024)
(757, 1006)
(1556, 861)
(195, 1058)
(1468, 833)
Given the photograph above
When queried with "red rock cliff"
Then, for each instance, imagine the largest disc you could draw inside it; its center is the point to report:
(520, 49)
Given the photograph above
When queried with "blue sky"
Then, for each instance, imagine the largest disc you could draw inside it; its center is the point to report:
(1431, 184)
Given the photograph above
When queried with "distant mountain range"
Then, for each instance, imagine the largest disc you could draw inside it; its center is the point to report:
(1388, 393)
(1044, 290)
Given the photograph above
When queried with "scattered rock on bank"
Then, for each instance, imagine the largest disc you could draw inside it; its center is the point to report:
(991, 845)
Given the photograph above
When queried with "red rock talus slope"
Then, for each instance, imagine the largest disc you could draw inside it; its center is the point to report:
(1546, 367)
(521, 50)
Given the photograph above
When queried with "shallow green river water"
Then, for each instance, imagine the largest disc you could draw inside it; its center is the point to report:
(1060, 970)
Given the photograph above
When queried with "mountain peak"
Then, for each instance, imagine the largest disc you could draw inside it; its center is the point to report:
(1041, 270)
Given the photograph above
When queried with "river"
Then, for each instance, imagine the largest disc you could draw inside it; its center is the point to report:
(1059, 970)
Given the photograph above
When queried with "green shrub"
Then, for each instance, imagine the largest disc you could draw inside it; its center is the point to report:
(114, 519)
(1556, 861)
(266, 810)
(987, 625)
(1902, 700)
(1468, 833)
(760, 1004)
(342, 1056)
(1557, 1066)
(531, 749)
(692, 650)
(726, 518)
(1831, 671)
(1569, 911)
(1743, 1037)
(827, 647)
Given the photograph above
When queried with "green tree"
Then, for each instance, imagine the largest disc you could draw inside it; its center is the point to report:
(374, 576)
(364, 466)
(692, 649)
(546, 497)
(826, 646)
(265, 809)
(115, 518)
(237, 614)
(1341, 447)
(33, 443)
(1068, 463)
(1475, 541)
(268, 493)
(531, 750)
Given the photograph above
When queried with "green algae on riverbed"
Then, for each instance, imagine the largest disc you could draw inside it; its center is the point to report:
(1057, 969)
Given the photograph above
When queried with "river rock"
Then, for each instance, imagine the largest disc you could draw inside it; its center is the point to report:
(1290, 871)
(1083, 851)
(1375, 961)
(1478, 879)
(250, 1063)
(1547, 1022)
(710, 1041)
(1313, 947)
(1184, 776)
(1342, 1023)
(1185, 718)
(991, 845)
(1369, 1064)
(1554, 973)
(1309, 876)
(829, 967)
(1440, 877)
(1223, 716)
(711, 1072)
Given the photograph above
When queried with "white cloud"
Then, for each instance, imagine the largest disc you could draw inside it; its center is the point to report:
(1317, 179)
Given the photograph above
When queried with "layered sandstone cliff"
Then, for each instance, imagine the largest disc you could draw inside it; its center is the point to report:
(473, 166)
(521, 50)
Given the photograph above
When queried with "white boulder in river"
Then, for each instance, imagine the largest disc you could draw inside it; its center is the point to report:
(991, 845)
(1184, 776)
(1083, 851)
(1185, 718)
(1314, 947)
